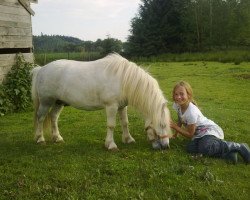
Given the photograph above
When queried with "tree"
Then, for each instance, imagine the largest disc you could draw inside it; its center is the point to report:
(163, 26)
(157, 28)
(110, 45)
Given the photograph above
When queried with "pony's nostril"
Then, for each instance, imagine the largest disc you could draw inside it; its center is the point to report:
(164, 143)
(165, 146)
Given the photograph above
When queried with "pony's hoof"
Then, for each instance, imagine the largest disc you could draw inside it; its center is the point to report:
(128, 140)
(40, 140)
(111, 147)
(114, 149)
(58, 139)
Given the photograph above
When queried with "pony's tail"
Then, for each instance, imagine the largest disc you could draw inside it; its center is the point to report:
(34, 94)
(35, 99)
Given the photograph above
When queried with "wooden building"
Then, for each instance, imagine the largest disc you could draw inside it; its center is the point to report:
(15, 33)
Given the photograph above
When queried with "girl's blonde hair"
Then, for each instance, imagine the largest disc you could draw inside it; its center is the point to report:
(188, 88)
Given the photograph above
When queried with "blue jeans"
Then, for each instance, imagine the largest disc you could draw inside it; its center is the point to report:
(207, 145)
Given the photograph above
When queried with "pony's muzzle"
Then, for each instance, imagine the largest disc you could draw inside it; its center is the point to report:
(164, 143)
(161, 144)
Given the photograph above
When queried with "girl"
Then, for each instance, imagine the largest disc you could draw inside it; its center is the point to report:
(207, 137)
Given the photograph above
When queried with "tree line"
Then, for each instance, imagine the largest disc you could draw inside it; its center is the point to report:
(58, 43)
(163, 26)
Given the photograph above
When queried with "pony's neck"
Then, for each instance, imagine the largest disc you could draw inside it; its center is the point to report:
(139, 89)
(142, 92)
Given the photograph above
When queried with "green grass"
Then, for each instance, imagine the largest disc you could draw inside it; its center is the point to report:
(82, 168)
(226, 56)
(235, 56)
(44, 58)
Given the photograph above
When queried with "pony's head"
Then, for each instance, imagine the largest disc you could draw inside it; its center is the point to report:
(160, 132)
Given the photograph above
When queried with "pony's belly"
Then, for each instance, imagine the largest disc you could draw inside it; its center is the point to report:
(88, 108)
(83, 105)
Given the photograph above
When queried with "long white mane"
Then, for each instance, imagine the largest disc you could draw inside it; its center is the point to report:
(139, 89)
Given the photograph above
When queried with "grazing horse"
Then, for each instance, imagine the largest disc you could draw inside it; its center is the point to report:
(109, 83)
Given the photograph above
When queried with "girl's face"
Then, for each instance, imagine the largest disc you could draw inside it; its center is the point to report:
(181, 96)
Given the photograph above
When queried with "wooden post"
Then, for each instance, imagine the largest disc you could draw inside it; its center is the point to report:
(45, 59)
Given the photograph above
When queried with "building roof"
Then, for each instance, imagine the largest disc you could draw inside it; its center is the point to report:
(26, 5)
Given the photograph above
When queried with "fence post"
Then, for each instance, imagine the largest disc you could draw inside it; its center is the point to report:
(45, 59)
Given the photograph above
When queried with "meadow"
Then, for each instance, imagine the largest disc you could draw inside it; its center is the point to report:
(224, 56)
(81, 168)
(44, 58)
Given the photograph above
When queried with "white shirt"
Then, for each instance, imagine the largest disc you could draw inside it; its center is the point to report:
(204, 126)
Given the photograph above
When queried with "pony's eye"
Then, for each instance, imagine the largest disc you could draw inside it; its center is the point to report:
(163, 126)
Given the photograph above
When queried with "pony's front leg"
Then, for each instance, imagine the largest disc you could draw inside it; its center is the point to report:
(111, 111)
(55, 113)
(126, 137)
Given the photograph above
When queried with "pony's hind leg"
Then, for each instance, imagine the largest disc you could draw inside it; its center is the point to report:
(126, 137)
(40, 117)
(111, 122)
(54, 114)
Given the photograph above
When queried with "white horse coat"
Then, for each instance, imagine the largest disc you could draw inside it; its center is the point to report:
(110, 83)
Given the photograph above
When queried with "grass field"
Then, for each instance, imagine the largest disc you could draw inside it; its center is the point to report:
(44, 58)
(82, 168)
(225, 56)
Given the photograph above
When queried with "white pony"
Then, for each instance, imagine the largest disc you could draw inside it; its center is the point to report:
(109, 83)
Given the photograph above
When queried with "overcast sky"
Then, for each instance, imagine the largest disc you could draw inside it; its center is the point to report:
(85, 19)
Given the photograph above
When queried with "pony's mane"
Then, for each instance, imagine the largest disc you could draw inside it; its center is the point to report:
(139, 89)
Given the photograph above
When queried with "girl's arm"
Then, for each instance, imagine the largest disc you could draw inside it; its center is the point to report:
(176, 132)
(186, 132)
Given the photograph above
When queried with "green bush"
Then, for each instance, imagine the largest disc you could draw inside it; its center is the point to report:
(15, 93)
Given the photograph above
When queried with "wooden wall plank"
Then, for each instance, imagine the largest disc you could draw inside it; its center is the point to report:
(9, 38)
(11, 57)
(18, 44)
(15, 18)
(14, 24)
(15, 31)
(15, 10)
(10, 3)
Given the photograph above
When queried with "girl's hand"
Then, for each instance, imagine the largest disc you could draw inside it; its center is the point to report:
(172, 124)
(174, 136)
